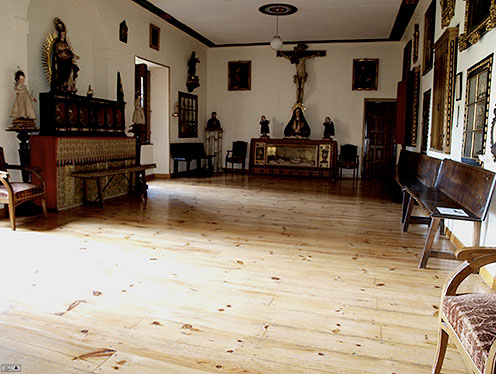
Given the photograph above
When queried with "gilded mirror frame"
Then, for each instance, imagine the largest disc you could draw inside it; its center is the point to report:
(474, 30)
(447, 11)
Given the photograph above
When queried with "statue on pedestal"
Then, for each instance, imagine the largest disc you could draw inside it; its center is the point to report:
(193, 79)
(264, 127)
(297, 126)
(23, 109)
(329, 131)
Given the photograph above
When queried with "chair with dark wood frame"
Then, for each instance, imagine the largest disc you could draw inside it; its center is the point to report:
(348, 159)
(16, 193)
(237, 155)
(469, 319)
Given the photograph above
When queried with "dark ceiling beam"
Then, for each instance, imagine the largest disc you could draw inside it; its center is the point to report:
(403, 18)
(168, 18)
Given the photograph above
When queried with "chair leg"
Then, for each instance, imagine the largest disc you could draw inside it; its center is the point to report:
(442, 344)
(43, 206)
(12, 216)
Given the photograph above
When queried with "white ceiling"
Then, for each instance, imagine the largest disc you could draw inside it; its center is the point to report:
(240, 22)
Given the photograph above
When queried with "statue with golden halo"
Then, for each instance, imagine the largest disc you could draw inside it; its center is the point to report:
(59, 60)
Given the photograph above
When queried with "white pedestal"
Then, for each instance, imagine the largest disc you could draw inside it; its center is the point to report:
(214, 147)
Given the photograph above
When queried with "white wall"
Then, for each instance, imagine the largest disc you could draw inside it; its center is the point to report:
(327, 91)
(93, 30)
(465, 59)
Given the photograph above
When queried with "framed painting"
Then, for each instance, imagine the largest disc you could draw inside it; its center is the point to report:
(480, 17)
(154, 37)
(365, 74)
(188, 115)
(407, 59)
(447, 12)
(416, 36)
(239, 76)
(428, 52)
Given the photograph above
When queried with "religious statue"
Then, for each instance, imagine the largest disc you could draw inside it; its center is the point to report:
(297, 125)
(23, 108)
(213, 123)
(64, 68)
(328, 128)
(139, 113)
(193, 80)
(264, 127)
(298, 57)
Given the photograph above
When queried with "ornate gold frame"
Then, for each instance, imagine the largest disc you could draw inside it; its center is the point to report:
(468, 38)
(447, 11)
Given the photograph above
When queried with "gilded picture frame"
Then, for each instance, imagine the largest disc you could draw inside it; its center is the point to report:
(480, 17)
(429, 28)
(447, 12)
(416, 37)
(239, 76)
(365, 74)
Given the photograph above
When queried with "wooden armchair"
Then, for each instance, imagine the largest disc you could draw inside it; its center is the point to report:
(15, 193)
(237, 155)
(468, 319)
(348, 159)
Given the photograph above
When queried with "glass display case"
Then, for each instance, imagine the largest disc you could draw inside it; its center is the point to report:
(294, 157)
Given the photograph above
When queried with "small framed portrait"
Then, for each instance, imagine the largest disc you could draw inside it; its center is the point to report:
(428, 52)
(239, 76)
(365, 74)
(154, 37)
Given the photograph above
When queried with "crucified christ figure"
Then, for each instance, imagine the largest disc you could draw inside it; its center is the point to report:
(298, 56)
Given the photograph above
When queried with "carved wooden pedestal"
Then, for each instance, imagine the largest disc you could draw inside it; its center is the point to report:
(214, 147)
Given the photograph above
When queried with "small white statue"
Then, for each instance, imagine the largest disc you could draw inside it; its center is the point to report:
(23, 104)
(139, 113)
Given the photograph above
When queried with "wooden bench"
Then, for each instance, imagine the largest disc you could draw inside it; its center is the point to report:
(188, 152)
(139, 184)
(415, 169)
(458, 186)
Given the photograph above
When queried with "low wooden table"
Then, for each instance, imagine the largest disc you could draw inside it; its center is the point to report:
(97, 175)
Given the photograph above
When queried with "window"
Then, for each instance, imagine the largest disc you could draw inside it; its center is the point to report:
(476, 110)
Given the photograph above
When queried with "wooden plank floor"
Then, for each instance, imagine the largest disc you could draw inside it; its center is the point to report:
(230, 274)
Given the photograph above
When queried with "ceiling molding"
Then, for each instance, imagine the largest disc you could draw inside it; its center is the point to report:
(306, 42)
(173, 21)
(403, 18)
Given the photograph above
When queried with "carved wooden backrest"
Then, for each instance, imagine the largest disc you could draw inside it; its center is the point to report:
(418, 166)
(470, 185)
(2, 161)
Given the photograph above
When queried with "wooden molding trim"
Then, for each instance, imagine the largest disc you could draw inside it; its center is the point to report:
(488, 277)
(158, 176)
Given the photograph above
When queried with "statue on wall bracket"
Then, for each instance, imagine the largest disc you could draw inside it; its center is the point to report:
(193, 79)
(298, 56)
(59, 60)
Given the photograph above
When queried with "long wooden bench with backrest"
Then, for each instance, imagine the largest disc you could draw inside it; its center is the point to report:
(464, 188)
(415, 169)
(188, 152)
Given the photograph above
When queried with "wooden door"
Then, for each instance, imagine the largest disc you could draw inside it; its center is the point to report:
(379, 128)
(142, 85)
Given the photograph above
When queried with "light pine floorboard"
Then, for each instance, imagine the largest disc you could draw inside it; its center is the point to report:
(231, 274)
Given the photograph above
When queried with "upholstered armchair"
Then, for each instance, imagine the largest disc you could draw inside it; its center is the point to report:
(468, 319)
(16, 193)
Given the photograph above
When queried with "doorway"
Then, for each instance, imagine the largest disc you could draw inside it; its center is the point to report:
(152, 80)
(378, 143)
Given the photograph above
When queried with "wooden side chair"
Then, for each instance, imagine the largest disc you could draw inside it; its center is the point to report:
(16, 193)
(237, 155)
(468, 319)
(348, 159)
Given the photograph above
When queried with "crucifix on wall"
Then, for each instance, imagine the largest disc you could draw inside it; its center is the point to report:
(298, 56)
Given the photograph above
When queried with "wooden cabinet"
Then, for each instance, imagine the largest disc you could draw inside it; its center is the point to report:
(294, 157)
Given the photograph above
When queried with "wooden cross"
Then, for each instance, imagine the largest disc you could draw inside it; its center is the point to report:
(298, 56)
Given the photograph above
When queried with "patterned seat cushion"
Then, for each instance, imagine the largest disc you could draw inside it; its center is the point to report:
(21, 190)
(473, 317)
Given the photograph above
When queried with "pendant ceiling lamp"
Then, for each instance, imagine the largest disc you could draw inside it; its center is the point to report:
(277, 10)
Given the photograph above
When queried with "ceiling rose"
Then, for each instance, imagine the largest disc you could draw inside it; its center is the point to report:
(278, 9)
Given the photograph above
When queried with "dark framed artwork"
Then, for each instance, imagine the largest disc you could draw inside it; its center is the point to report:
(447, 12)
(416, 36)
(239, 76)
(480, 17)
(365, 74)
(428, 53)
(154, 37)
(188, 115)
(407, 59)
(123, 31)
